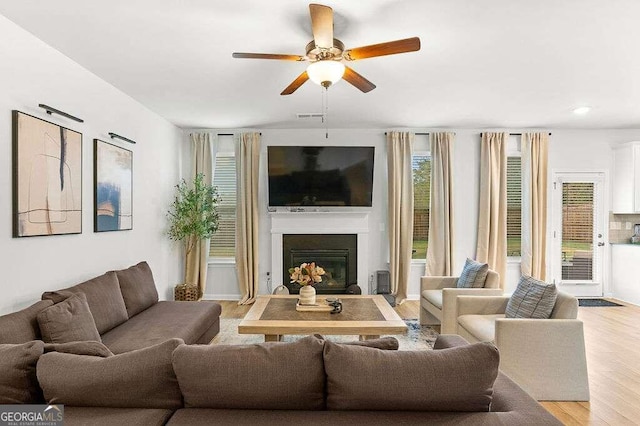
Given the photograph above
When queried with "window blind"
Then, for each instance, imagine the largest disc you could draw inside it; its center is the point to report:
(577, 230)
(223, 242)
(514, 206)
(421, 167)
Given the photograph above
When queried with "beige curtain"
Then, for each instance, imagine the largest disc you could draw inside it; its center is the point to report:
(247, 160)
(202, 155)
(399, 150)
(492, 217)
(534, 204)
(440, 248)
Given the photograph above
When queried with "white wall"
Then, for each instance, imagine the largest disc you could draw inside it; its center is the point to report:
(32, 72)
(587, 150)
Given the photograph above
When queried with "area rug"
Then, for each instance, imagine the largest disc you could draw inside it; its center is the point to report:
(417, 337)
(591, 303)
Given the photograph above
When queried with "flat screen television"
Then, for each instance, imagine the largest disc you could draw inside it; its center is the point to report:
(322, 176)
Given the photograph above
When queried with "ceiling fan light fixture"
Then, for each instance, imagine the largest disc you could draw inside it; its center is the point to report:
(325, 72)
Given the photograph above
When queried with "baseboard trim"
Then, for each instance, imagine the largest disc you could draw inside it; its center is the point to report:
(221, 297)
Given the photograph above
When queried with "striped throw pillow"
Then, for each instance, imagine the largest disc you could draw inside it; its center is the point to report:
(473, 275)
(532, 299)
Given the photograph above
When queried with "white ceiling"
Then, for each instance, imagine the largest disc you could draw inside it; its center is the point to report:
(493, 63)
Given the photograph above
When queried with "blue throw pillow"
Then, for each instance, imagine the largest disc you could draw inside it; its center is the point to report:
(473, 275)
(532, 299)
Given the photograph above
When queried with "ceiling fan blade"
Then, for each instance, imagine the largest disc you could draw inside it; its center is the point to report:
(299, 81)
(322, 25)
(269, 56)
(357, 80)
(389, 48)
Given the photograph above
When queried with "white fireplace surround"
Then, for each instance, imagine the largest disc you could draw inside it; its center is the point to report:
(349, 222)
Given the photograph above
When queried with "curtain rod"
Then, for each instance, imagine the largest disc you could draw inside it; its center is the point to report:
(422, 134)
(230, 134)
(225, 134)
(516, 134)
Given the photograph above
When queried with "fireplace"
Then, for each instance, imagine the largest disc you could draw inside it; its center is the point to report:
(337, 254)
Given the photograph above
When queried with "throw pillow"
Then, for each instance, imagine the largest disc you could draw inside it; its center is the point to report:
(138, 288)
(18, 382)
(266, 376)
(143, 378)
(104, 298)
(473, 275)
(79, 348)
(385, 343)
(532, 299)
(454, 379)
(68, 321)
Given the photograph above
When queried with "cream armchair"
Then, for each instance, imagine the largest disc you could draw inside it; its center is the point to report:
(544, 356)
(438, 299)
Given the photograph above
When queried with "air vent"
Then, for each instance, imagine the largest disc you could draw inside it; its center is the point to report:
(305, 115)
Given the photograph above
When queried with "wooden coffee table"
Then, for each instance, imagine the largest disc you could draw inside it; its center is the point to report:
(365, 316)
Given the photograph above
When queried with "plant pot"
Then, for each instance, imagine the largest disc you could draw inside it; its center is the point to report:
(186, 293)
(307, 295)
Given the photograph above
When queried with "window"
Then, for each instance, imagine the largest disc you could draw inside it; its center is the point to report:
(514, 206)
(223, 242)
(421, 166)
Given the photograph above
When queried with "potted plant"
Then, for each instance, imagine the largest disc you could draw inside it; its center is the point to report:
(193, 217)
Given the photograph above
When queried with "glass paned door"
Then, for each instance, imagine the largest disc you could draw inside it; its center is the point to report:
(578, 233)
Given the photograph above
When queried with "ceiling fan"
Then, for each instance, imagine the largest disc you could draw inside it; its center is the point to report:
(326, 54)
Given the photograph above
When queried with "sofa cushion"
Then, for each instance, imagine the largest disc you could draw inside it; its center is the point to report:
(434, 297)
(473, 275)
(455, 379)
(208, 417)
(267, 376)
(91, 348)
(532, 299)
(104, 299)
(384, 343)
(164, 320)
(482, 327)
(68, 321)
(103, 416)
(444, 341)
(22, 326)
(138, 288)
(18, 382)
(137, 379)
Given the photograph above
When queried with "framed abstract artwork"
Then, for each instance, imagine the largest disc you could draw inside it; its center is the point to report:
(113, 187)
(47, 178)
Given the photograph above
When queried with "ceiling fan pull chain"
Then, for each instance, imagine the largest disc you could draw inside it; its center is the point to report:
(326, 112)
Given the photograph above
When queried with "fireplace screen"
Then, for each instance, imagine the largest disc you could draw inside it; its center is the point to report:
(335, 264)
(336, 254)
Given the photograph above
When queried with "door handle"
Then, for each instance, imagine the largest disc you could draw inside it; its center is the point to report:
(600, 244)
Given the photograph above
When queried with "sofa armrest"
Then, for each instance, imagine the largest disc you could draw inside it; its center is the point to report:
(545, 356)
(481, 305)
(437, 282)
(449, 323)
(444, 341)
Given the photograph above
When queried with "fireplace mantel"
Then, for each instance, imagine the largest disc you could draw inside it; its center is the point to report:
(348, 222)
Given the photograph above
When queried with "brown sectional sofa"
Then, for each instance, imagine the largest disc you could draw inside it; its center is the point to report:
(157, 379)
(126, 311)
(309, 381)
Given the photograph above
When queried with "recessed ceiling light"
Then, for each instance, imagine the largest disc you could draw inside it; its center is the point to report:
(582, 110)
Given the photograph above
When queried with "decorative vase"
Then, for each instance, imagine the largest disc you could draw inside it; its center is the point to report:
(307, 295)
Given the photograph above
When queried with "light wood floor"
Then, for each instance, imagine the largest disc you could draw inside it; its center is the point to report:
(612, 339)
